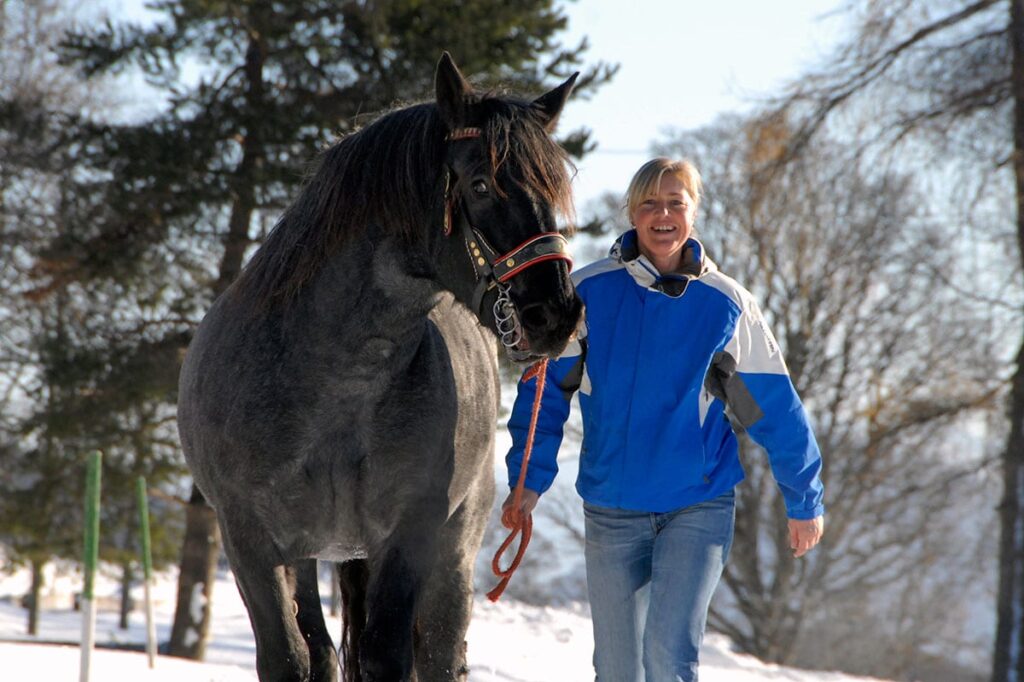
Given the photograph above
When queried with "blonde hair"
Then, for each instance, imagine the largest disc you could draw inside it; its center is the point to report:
(646, 181)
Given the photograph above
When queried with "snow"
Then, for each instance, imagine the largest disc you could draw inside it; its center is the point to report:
(508, 641)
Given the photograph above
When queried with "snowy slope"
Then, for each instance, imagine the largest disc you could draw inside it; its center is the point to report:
(508, 641)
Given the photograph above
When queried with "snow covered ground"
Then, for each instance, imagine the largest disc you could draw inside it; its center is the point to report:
(508, 642)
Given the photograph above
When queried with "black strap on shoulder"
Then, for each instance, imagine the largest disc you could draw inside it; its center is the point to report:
(725, 383)
(574, 377)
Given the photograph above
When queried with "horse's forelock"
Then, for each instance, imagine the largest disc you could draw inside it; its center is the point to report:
(516, 137)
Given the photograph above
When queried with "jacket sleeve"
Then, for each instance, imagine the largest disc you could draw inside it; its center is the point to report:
(563, 378)
(751, 376)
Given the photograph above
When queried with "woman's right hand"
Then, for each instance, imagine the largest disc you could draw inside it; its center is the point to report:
(510, 516)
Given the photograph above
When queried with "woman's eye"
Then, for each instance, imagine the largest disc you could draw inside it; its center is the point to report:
(480, 187)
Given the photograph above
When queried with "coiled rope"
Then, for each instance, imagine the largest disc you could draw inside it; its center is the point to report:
(513, 517)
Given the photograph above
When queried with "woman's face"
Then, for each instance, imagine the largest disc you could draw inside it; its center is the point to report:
(663, 223)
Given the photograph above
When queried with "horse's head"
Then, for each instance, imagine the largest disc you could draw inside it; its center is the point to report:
(506, 182)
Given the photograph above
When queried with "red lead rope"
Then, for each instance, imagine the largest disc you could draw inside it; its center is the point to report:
(519, 522)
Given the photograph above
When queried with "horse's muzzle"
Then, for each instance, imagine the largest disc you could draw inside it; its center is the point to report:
(548, 326)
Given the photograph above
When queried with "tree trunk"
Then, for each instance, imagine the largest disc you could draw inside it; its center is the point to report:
(35, 590)
(244, 178)
(127, 577)
(1008, 657)
(199, 552)
(201, 546)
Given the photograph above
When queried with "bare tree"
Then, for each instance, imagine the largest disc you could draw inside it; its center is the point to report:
(946, 81)
(849, 266)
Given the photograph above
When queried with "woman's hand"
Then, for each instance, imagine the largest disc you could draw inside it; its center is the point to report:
(508, 514)
(804, 535)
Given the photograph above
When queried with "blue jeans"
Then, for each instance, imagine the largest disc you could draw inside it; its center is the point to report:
(650, 578)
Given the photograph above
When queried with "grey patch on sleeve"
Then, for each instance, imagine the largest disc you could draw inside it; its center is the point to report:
(725, 383)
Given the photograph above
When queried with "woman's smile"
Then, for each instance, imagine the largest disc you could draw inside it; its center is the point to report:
(663, 223)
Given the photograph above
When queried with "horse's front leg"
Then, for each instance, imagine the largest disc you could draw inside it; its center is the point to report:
(398, 572)
(323, 658)
(267, 586)
(447, 603)
(404, 501)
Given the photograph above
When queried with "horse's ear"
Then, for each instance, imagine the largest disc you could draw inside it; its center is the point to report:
(549, 105)
(451, 89)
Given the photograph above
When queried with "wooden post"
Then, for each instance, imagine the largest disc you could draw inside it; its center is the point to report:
(147, 569)
(91, 556)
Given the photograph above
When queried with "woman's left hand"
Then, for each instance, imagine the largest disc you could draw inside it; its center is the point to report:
(804, 535)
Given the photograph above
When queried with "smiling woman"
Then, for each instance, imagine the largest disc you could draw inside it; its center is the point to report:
(669, 343)
(662, 203)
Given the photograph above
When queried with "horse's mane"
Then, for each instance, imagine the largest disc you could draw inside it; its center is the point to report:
(388, 174)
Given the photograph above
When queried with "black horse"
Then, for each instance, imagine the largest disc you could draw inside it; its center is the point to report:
(339, 400)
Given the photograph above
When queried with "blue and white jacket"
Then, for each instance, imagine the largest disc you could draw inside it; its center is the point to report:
(657, 361)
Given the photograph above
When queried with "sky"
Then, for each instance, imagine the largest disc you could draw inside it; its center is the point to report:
(683, 62)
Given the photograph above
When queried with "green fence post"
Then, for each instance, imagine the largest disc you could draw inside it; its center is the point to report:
(147, 568)
(92, 551)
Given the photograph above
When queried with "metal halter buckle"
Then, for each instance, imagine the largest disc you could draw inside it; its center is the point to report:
(506, 321)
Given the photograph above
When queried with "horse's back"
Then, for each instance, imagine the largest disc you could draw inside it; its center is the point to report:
(210, 396)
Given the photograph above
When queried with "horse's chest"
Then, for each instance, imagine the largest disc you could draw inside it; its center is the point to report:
(341, 552)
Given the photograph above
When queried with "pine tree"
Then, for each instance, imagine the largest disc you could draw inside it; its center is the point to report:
(68, 386)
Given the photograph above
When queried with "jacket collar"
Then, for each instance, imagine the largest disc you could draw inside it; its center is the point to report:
(626, 250)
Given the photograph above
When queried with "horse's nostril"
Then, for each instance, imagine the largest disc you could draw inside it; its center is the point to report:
(534, 316)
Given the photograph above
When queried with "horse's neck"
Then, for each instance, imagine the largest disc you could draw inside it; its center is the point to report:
(453, 265)
(378, 289)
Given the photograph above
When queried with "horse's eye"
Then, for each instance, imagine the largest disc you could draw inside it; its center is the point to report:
(480, 187)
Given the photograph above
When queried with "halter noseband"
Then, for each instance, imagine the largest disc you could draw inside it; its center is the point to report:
(494, 269)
